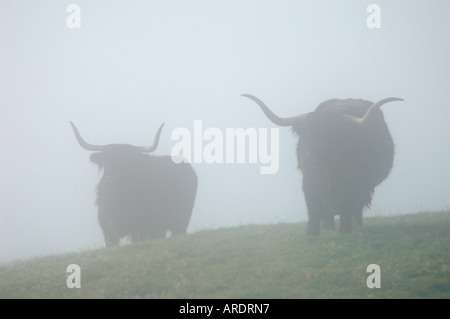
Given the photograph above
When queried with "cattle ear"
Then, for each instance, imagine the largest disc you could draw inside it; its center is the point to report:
(97, 158)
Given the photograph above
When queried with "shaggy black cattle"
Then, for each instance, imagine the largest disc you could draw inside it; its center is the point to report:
(139, 195)
(344, 151)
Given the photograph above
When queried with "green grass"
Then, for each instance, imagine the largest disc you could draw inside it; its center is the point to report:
(259, 261)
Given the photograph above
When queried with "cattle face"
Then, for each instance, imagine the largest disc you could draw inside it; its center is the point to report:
(344, 151)
(140, 195)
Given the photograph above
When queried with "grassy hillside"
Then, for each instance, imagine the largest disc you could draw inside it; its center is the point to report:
(260, 261)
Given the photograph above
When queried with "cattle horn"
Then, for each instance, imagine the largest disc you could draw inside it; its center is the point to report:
(152, 147)
(369, 114)
(83, 143)
(281, 121)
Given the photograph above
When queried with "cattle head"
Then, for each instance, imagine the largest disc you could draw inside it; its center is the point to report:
(112, 157)
(371, 115)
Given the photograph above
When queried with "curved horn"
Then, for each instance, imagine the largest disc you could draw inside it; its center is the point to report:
(281, 121)
(369, 114)
(83, 143)
(152, 147)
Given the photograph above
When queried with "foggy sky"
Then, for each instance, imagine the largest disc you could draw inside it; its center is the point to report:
(136, 64)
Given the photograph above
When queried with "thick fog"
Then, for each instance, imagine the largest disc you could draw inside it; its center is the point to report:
(121, 68)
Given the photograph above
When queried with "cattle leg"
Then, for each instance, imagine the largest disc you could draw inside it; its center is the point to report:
(111, 240)
(316, 211)
(346, 223)
(358, 217)
(135, 237)
(178, 231)
(328, 222)
(313, 225)
(318, 207)
(157, 234)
